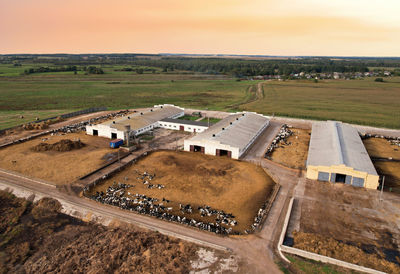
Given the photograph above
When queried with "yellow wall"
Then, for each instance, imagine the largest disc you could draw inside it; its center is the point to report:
(370, 181)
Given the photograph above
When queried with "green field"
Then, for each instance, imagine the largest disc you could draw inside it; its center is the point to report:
(45, 94)
(355, 101)
(48, 94)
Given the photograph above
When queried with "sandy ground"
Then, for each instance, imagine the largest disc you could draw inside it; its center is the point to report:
(53, 166)
(381, 148)
(353, 216)
(236, 187)
(295, 154)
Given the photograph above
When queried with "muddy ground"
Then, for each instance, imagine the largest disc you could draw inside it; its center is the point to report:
(381, 148)
(59, 167)
(295, 154)
(353, 216)
(224, 184)
(37, 238)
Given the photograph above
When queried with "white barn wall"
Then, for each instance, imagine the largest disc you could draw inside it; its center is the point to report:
(176, 126)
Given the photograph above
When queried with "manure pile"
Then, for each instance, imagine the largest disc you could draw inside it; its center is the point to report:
(63, 145)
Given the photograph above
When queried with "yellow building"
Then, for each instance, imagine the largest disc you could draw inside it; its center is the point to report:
(337, 154)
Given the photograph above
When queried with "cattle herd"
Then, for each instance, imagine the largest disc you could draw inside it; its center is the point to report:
(144, 204)
(121, 195)
(392, 140)
(280, 139)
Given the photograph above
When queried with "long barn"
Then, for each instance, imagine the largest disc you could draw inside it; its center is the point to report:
(137, 123)
(337, 154)
(230, 137)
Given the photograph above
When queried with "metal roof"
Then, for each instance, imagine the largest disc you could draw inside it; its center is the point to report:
(236, 130)
(185, 122)
(144, 118)
(335, 143)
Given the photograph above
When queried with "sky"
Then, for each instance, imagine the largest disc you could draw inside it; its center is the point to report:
(255, 27)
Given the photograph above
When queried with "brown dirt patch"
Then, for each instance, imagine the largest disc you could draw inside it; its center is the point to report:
(381, 148)
(295, 154)
(63, 145)
(224, 184)
(327, 246)
(53, 166)
(353, 216)
(37, 238)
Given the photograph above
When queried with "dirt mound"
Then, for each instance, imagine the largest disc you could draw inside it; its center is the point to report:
(330, 247)
(37, 238)
(63, 145)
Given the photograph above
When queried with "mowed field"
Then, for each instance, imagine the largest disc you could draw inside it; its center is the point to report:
(224, 184)
(354, 101)
(46, 94)
(55, 166)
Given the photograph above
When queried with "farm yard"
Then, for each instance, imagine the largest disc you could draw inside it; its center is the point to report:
(61, 164)
(200, 180)
(294, 153)
(382, 148)
(350, 224)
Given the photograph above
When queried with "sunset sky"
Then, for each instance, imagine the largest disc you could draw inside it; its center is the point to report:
(284, 27)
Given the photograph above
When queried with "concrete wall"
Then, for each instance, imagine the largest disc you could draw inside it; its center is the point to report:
(104, 131)
(176, 126)
(370, 181)
(314, 256)
(211, 147)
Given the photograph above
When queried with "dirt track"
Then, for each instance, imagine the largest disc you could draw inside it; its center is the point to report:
(236, 187)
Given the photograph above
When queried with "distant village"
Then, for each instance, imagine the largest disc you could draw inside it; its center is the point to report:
(322, 76)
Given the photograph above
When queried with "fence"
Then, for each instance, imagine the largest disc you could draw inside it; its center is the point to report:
(314, 256)
(67, 115)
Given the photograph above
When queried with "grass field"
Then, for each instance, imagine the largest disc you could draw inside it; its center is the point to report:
(43, 94)
(50, 93)
(355, 101)
(10, 118)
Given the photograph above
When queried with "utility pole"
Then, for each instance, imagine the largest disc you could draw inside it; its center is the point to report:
(383, 185)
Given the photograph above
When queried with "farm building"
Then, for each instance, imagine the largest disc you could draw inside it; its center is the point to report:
(231, 136)
(184, 125)
(337, 154)
(136, 123)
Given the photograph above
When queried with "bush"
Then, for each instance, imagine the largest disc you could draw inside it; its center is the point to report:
(379, 79)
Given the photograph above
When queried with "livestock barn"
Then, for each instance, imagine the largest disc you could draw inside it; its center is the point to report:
(136, 123)
(337, 154)
(184, 125)
(230, 137)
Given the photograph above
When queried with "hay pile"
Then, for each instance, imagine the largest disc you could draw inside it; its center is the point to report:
(61, 146)
(330, 247)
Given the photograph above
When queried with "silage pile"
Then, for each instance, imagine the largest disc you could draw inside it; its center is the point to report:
(61, 146)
